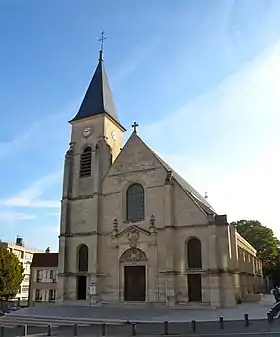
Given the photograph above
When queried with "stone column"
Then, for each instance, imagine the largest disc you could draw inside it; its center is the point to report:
(65, 224)
(153, 264)
(214, 277)
(227, 295)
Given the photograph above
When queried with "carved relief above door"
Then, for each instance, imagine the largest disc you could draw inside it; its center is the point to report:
(133, 255)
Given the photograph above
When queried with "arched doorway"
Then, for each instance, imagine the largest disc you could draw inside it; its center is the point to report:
(133, 263)
(82, 259)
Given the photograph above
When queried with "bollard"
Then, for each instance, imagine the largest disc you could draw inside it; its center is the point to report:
(75, 330)
(103, 329)
(1, 331)
(221, 322)
(246, 317)
(25, 328)
(269, 317)
(166, 327)
(49, 330)
(193, 326)
(133, 329)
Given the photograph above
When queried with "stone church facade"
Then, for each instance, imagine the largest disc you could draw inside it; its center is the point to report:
(132, 229)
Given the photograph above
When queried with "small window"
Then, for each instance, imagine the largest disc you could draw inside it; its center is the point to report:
(38, 295)
(85, 162)
(52, 294)
(40, 275)
(24, 289)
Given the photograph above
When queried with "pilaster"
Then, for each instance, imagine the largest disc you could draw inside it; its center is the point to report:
(170, 240)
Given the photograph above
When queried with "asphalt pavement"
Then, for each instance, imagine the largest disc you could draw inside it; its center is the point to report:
(236, 328)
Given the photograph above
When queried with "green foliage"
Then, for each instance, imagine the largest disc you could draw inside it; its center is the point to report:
(262, 239)
(11, 273)
(275, 274)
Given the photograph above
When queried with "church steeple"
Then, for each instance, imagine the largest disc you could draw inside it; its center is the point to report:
(98, 98)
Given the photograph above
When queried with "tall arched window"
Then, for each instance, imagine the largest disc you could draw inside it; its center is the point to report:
(194, 253)
(83, 258)
(85, 162)
(135, 208)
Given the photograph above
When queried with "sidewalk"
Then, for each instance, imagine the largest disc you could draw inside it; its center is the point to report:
(148, 315)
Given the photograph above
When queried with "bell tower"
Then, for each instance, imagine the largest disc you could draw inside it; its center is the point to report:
(96, 140)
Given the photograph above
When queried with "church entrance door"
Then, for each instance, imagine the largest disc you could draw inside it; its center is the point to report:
(81, 287)
(194, 287)
(135, 283)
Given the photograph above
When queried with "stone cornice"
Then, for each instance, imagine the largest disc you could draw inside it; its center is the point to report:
(205, 272)
(135, 171)
(69, 235)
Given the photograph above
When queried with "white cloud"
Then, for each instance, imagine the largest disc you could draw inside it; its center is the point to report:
(130, 64)
(31, 196)
(8, 146)
(237, 124)
(54, 214)
(11, 216)
(48, 229)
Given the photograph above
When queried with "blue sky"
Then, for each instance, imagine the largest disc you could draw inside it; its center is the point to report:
(202, 79)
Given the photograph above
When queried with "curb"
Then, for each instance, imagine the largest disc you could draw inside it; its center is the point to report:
(46, 319)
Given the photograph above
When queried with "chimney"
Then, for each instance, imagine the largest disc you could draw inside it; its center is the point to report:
(48, 250)
(19, 241)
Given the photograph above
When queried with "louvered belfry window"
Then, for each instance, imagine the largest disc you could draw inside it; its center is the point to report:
(135, 205)
(85, 162)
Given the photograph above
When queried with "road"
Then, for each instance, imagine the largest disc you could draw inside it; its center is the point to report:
(210, 329)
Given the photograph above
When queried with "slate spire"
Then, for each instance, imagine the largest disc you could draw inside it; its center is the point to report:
(98, 98)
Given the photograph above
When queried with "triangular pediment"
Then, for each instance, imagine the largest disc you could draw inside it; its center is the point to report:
(137, 156)
(134, 157)
(133, 229)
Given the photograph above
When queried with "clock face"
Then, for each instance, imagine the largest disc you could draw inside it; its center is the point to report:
(114, 135)
(87, 131)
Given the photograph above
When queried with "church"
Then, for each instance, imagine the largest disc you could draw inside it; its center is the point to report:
(133, 230)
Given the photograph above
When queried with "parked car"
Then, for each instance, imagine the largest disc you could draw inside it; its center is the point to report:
(11, 309)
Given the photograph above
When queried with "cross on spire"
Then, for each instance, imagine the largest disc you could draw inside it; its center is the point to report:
(135, 126)
(101, 40)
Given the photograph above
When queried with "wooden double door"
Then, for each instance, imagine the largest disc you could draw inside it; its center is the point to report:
(135, 283)
(194, 287)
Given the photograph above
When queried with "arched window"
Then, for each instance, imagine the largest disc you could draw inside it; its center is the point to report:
(83, 258)
(194, 253)
(135, 208)
(85, 162)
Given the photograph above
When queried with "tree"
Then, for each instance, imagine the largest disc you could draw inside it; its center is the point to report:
(11, 273)
(263, 240)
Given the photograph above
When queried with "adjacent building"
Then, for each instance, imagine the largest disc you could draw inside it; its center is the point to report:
(43, 278)
(25, 256)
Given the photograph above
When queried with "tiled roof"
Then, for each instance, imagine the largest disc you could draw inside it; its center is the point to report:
(203, 203)
(45, 260)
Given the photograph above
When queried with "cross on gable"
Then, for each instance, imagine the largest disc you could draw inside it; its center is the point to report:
(135, 126)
